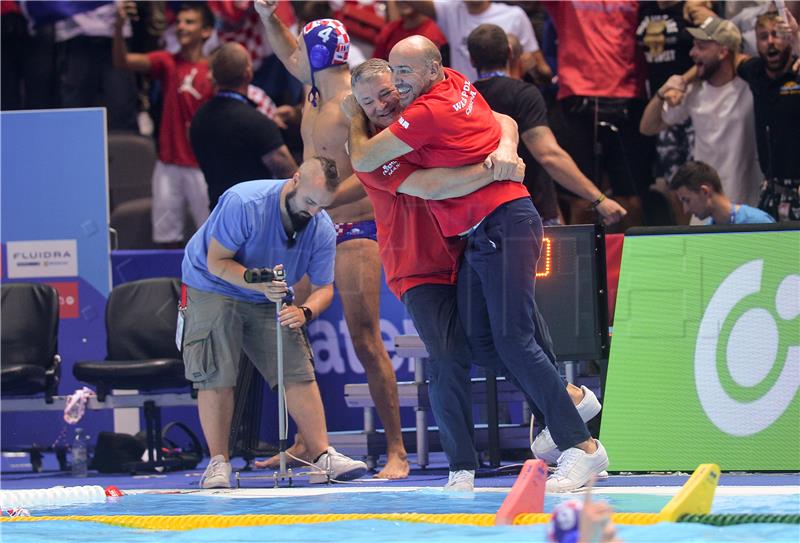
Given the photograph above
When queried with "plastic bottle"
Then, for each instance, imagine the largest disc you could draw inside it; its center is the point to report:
(80, 462)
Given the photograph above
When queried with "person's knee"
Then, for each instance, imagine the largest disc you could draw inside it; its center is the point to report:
(215, 396)
(482, 348)
(512, 349)
(366, 338)
(293, 385)
(448, 368)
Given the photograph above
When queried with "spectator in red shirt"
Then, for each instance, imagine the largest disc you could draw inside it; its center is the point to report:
(601, 77)
(177, 180)
(411, 21)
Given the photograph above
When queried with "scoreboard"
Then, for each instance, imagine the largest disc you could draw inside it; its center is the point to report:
(571, 290)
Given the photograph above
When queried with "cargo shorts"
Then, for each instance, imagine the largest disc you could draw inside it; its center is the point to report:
(218, 328)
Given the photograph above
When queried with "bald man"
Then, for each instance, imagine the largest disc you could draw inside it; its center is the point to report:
(318, 57)
(257, 224)
(231, 139)
(447, 123)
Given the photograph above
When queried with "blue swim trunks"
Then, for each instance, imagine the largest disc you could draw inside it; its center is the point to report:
(345, 231)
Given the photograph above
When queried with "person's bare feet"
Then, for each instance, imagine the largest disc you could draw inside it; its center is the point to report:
(396, 468)
(298, 449)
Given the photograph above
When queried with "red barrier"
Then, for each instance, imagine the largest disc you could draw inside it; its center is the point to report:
(613, 261)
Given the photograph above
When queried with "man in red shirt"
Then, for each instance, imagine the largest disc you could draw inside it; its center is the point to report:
(447, 123)
(601, 76)
(411, 21)
(421, 264)
(177, 180)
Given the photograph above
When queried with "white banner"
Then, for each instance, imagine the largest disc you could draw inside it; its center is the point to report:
(44, 258)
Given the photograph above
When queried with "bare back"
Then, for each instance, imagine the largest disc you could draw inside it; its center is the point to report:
(324, 130)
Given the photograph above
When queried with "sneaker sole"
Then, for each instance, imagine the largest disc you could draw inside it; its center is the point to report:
(459, 488)
(597, 475)
(214, 485)
(590, 411)
(354, 473)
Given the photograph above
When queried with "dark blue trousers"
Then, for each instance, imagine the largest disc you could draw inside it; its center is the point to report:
(434, 312)
(435, 316)
(496, 285)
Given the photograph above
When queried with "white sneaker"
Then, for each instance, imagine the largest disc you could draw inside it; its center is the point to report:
(217, 474)
(338, 466)
(544, 448)
(575, 468)
(462, 480)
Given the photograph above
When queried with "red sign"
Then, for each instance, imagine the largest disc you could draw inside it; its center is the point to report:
(68, 304)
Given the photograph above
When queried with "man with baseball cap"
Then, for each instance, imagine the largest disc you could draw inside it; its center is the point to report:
(720, 105)
(719, 31)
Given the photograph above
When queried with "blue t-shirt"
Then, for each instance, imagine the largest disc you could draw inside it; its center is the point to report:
(247, 220)
(744, 214)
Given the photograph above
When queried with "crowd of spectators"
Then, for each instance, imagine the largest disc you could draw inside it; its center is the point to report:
(631, 90)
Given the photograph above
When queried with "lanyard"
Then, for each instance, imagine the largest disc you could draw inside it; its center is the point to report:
(233, 95)
(487, 75)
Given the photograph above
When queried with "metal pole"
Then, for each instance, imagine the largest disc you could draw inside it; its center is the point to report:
(422, 415)
(281, 395)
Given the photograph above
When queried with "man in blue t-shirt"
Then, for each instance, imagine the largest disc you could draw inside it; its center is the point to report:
(276, 224)
(698, 187)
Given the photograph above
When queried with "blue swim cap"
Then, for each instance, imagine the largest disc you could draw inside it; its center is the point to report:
(565, 524)
(327, 44)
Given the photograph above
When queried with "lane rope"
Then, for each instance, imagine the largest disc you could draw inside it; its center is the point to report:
(193, 522)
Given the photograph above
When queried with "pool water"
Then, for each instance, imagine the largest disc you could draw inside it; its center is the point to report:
(420, 501)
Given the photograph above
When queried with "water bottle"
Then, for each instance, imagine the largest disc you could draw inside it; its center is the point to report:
(80, 462)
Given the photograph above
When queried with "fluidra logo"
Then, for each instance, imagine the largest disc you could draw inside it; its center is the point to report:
(42, 258)
(46, 258)
(753, 349)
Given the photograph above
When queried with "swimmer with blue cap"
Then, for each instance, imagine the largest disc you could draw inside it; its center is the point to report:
(322, 44)
(318, 56)
(327, 44)
(584, 521)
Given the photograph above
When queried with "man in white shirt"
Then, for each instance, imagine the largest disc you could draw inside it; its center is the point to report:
(458, 19)
(720, 105)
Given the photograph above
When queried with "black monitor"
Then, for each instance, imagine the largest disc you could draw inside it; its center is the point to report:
(571, 290)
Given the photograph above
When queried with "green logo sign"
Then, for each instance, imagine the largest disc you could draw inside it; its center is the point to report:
(705, 356)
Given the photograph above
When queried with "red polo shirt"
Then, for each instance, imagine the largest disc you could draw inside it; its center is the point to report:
(452, 125)
(413, 250)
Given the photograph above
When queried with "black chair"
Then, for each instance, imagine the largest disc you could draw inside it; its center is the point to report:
(141, 319)
(31, 364)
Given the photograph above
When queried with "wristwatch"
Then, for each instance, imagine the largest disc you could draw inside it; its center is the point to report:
(307, 312)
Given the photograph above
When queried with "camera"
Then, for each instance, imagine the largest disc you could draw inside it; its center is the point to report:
(263, 275)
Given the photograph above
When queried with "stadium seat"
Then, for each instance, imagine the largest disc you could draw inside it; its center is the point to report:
(133, 224)
(131, 160)
(31, 364)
